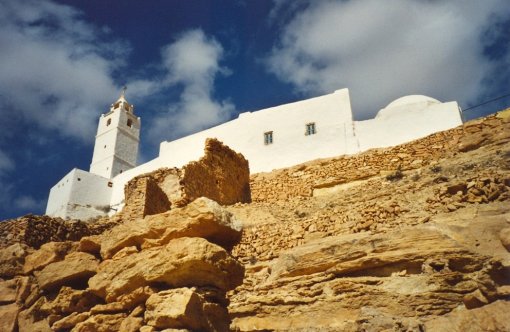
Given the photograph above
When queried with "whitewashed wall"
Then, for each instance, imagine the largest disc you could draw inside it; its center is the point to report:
(404, 120)
(291, 146)
(79, 195)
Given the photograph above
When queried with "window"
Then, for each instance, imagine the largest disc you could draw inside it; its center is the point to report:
(268, 138)
(129, 123)
(110, 184)
(108, 122)
(310, 129)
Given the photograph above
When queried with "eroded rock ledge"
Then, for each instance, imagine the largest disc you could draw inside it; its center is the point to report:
(171, 271)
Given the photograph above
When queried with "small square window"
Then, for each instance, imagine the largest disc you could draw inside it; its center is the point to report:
(110, 184)
(268, 138)
(310, 129)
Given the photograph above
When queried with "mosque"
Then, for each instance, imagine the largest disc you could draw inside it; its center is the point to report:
(271, 138)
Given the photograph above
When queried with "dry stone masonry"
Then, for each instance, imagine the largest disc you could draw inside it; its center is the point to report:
(221, 175)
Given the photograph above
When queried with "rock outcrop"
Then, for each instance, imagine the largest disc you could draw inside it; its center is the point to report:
(161, 272)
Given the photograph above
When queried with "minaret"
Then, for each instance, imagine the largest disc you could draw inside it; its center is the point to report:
(117, 139)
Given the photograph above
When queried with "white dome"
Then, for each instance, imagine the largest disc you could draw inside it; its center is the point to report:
(412, 99)
(407, 104)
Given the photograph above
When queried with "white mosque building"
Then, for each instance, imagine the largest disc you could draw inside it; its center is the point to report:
(271, 138)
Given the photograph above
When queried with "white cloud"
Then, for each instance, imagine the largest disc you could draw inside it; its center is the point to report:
(54, 70)
(6, 163)
(382, 50)
(27, 203)
(193, 62)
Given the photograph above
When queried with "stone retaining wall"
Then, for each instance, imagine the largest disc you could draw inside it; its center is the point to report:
(302, 180)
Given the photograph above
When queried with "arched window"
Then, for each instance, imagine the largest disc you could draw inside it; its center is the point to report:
(108, 122)
(129, 123)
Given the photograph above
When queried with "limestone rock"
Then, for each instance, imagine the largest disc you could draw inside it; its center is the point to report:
(71, 300)
(76, 267)
(472, 142)
(131, 324)
(202, 218)
(100, 323)
(48, 253)
(504, 236)
(175, 308)
(492, 317)
(475, 299)
(12, 259)
(182, 262)
(379, 254)
(33, 319)
(8, 291)
(90, 244)
(9, 315)
(70, 321)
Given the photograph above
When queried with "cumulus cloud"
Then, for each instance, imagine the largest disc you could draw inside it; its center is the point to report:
(382, 50)
(55, 72)
(6, 163)
(191, 62)
(28, 203)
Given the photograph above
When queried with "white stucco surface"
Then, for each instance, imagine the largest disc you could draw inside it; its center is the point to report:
(403, 120)
(117, 140)
(79, 195)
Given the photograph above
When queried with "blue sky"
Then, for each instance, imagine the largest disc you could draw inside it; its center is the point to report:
(192, 64)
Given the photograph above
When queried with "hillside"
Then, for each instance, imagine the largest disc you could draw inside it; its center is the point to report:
(409, 238)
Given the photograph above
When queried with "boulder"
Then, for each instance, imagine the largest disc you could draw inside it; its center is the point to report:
(70, 321)
(90, 244)
(71, 300)
(202, 218)
(181, 262)
(33, 319)
(12, 259)
(175, 308)
(75, 268)
(48, 253)
(9, 314)
(131, 324)
(8, 291)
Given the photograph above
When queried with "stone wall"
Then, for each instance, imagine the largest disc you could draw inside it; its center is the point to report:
(34, 231)
(305, 179)
(222, 175)
(144, 197)
(378, 190)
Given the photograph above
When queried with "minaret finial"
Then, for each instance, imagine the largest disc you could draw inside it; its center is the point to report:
(123, 94)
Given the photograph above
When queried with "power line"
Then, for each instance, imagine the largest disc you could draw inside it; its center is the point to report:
(486, 102)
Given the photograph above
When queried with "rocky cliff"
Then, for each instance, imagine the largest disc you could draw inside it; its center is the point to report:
(410, 238)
